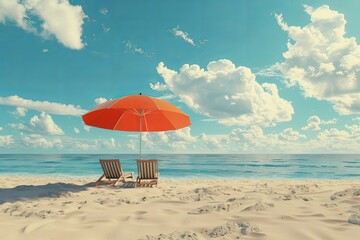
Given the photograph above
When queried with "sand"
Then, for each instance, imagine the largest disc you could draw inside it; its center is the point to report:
(73, 208)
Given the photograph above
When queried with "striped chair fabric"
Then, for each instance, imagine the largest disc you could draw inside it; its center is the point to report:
(147, 170)
(112, 170)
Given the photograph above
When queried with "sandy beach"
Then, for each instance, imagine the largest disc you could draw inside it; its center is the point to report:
(72, 208)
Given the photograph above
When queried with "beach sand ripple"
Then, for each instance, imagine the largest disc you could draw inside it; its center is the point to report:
(59, 208)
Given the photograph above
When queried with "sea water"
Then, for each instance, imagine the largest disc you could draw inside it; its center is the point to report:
(189, 166)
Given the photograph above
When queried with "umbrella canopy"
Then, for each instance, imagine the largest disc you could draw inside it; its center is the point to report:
(137, 113)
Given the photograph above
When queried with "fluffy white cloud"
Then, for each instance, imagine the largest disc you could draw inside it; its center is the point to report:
(322, 61)
(290, 135)
(12, 10)
(6, 141)
(38, 141)
(158, 86)
(20, 111)
(227, 93)
(178, 139)
(183, 35)
(314, 122)
(43, 124)
(100, 100)
(76, 130)
(43, 106)
(58, 18)
(106, 143)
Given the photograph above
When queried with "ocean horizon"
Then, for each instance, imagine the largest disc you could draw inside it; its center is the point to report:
(190, 166)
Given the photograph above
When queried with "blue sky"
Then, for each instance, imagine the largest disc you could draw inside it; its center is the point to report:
(254, 76)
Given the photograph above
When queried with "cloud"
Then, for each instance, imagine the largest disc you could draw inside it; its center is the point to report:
(100, 100)
(76, 130)
(58, 18)
(290, 135)
(227, 93)
(20, 111)
(322, 61)
(104, 11)
(158, 86)
(45, 50)
(314, 122)
(183, 35)
(87, 128)
(131, 47)
(253, 139)
(43, 106)
(178, 139)
(12, 10)
(1, 128)
(106, 143)
(42, 125)
(6, 141)
(38, 141)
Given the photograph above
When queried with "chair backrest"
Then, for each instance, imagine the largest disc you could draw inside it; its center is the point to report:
(148, 169)
(112, 168)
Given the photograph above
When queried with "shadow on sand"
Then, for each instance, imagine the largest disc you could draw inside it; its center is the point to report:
(54, 190)
(28, 192)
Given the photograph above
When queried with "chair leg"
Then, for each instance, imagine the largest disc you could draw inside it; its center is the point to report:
(120, 179)
(99, 180)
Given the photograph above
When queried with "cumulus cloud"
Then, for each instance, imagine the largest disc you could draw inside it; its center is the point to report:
(106, 143)
(158, 86)
(178, 139)
(290, 135)
(76, 130)
(314, 122)
(12, 10)
(87, 128)
(253, 139)
(43, 106)
(322, 61)
(100, 100)
(58, 18)
(38, 141)
(183, 35)
(42, 124)
(227, 93)
(20, 111)
(6, 141)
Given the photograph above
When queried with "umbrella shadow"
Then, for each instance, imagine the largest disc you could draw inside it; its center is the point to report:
(28, 192)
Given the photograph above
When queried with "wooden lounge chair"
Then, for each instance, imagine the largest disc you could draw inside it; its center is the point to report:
(113, 170)
(148, 173)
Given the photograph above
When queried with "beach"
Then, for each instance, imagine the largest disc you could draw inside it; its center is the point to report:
(63, 207)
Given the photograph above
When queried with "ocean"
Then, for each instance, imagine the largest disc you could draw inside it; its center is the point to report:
(189, 166)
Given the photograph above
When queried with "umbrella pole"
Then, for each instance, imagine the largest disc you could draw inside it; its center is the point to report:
(140, 133)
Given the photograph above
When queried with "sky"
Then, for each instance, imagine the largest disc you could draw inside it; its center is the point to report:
(254, 76)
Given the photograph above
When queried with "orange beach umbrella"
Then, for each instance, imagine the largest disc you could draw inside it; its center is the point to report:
(137, 113)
